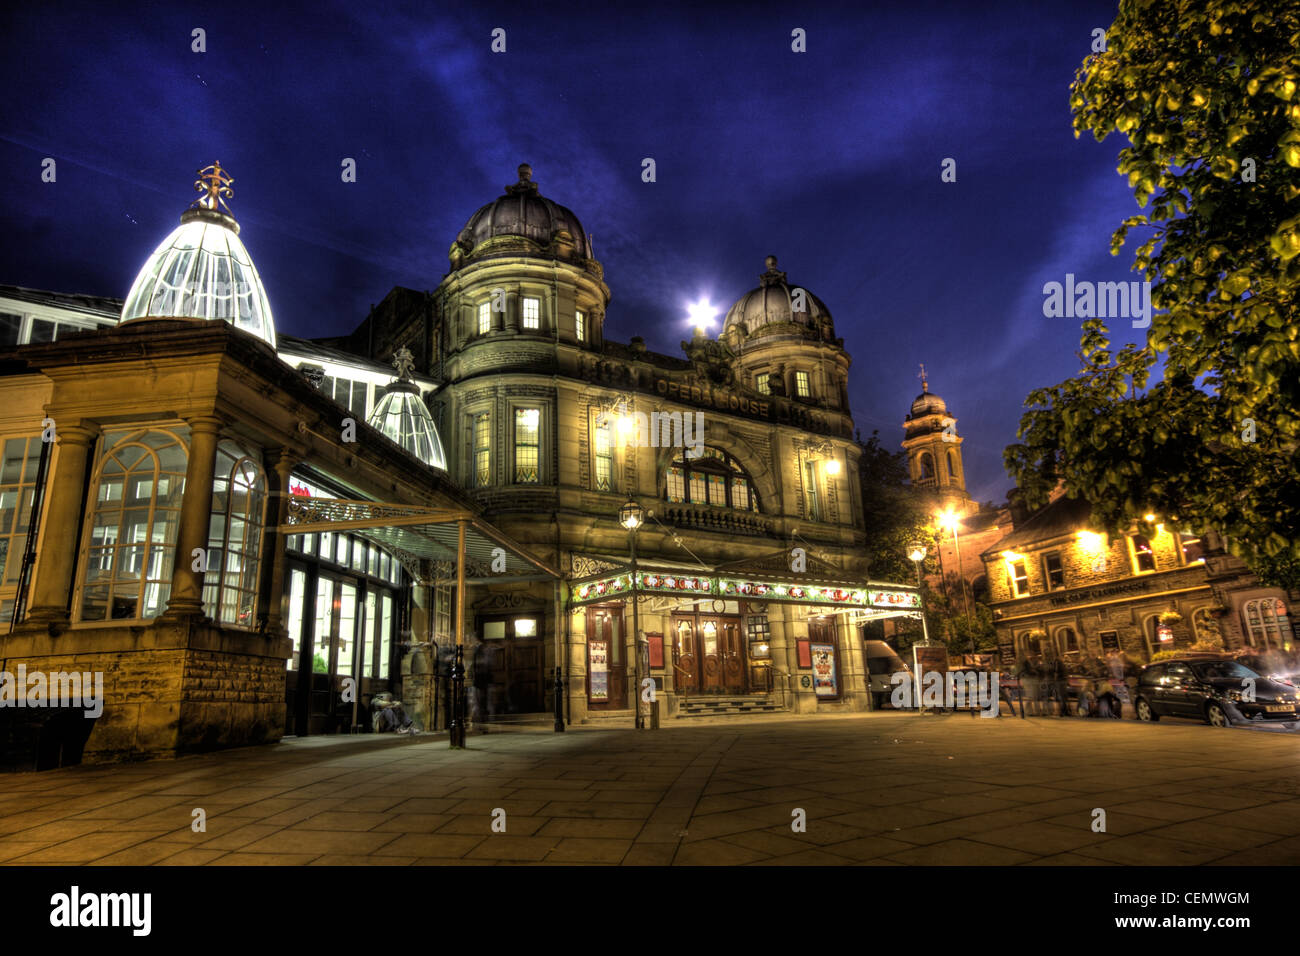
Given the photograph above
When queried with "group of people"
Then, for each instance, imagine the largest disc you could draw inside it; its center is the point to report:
(1109, 683)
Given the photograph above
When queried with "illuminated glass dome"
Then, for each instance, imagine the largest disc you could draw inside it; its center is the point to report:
(202, 270)
(402, 416)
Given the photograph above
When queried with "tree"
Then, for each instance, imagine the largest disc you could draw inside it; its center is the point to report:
(1199, 423)
(895, 514)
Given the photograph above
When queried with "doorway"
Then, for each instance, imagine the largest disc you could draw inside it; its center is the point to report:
(606, 658)
(507, 675)
(709, 654)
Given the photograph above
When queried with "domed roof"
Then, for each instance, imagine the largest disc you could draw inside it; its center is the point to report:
(927, 403)
(523, 211)
(202, 270)
(772, 304)
(402, 416)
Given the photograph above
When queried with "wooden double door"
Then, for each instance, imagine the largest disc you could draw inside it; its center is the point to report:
(709, 655)
(607, 672)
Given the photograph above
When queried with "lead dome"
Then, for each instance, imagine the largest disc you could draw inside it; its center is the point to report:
(772, 305)
(202, 270)
(523, 212)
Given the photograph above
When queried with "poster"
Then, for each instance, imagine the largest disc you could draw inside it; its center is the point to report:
(598, 654)
(1109, 641)
(825, 681)
(1164, 633)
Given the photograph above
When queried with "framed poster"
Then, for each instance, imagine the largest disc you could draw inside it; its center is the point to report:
(598, 656)
(825, 680)
(656, 649)
(1109, 640)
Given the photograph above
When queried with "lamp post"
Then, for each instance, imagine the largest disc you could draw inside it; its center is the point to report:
(630, 516)
(951, 520)
(917, 554)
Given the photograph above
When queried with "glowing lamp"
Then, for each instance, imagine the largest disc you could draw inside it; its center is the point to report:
(833, 467)
(630, 515)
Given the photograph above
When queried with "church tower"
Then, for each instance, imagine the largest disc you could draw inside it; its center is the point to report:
(934, 450)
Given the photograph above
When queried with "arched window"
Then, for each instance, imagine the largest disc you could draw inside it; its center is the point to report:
(715, 478)
(952, 465)
(927, 466)
(1067, 640)
(1205, 627)
(234, 537)
(1030, 646)
(131, 543)
(1266, 622)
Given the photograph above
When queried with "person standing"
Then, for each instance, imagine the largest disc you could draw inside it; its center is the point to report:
(1027, 673)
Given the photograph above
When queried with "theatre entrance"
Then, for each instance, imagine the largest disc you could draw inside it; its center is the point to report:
(709, 654)
(606, 658)
(508, 663)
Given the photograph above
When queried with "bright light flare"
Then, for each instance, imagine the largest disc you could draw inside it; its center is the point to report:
(702, 313)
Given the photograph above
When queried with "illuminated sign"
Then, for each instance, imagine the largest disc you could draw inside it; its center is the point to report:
(794, 592)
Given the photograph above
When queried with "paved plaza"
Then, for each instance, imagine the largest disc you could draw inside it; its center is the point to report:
(877, 789)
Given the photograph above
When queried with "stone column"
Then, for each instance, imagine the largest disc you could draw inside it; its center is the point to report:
(277, 513)
(60, 535)
(784, 681)
(576, 678)
(196, 508)
(851, 656)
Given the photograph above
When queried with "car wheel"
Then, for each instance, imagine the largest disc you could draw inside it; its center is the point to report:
(1145, 712)
(1215, 715)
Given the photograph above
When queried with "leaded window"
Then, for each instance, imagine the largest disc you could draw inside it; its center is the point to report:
(532, 313)
(715, 478)
(527, 445)
(604, 456)
(234, 537)
(482, 442)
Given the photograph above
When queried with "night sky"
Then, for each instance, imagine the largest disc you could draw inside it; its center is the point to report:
(829, 160)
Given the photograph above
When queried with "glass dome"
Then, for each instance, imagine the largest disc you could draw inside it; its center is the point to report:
(202, 271)
(402, 416)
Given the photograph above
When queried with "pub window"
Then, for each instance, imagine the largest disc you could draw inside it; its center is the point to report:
(801, 386)
(484, 318)
(526, 445)
(1193, 548)
(482, 443)
(11, 328)
(715, 478)
(234, 537)
(604, 450)
(1053, 570)
(1019, 577)
(580, 325)
(761, 383)
(1067, 640)
(760, 637)
(135, 513)
(532, 313)
(1144, 558)
(1264, 619)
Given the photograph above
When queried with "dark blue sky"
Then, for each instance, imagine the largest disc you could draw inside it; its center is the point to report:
(829, 159)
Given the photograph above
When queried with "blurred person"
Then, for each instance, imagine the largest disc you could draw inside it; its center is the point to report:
(1027, 673)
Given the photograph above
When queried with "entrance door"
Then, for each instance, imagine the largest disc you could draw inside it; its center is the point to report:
(508, 665)
(711, 656)
(333, 654)
(606, 659)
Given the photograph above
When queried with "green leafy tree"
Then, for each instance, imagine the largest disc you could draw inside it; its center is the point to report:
(1199, 423)
(895, 515)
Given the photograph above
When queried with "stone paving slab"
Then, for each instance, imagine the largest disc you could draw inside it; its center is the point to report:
(874, 789)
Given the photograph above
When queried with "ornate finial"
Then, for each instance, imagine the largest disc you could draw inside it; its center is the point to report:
(214, 182)
(404, 363)
(770, 262)
(925, 386)
(525, 184)
(773, 276)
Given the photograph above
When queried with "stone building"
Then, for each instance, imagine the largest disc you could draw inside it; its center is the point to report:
(250, 534)
(1055, 582)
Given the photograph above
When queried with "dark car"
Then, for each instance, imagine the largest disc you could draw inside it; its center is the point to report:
(1272, 665)
(1211, 690)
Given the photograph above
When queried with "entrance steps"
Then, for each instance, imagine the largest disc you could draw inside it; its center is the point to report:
(719, 705)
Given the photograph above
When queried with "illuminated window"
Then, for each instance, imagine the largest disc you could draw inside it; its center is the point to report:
(234, 538)
(1019, 577)
(761, 385)
(17, 484)
(715, 478)
(482, 443)
(484, 318)
(532, 313)
(1265, 620)
(139, 484)
(604, 456)
(801, 386)
(526, 445)
(1144, 558)
(810, 491)
(1193, 548)
(580, 326)
(1053, 570)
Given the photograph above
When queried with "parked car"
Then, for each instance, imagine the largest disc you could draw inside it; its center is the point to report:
(1210, 689)
(1272, 665)
(882, 663)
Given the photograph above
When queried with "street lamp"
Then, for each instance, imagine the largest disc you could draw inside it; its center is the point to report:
(917, 554)
(951, 520)
(631, 517)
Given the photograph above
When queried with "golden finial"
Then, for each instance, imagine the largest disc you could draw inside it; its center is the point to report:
(925, 386)
(214, 182)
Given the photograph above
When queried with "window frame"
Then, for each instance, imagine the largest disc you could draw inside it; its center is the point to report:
(1135, 555)
(802, 384)
(524, 318)
(480, 473)
(691, 470)
(484, 318)
(1053, 585)
(580, 325)
(516, 445)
